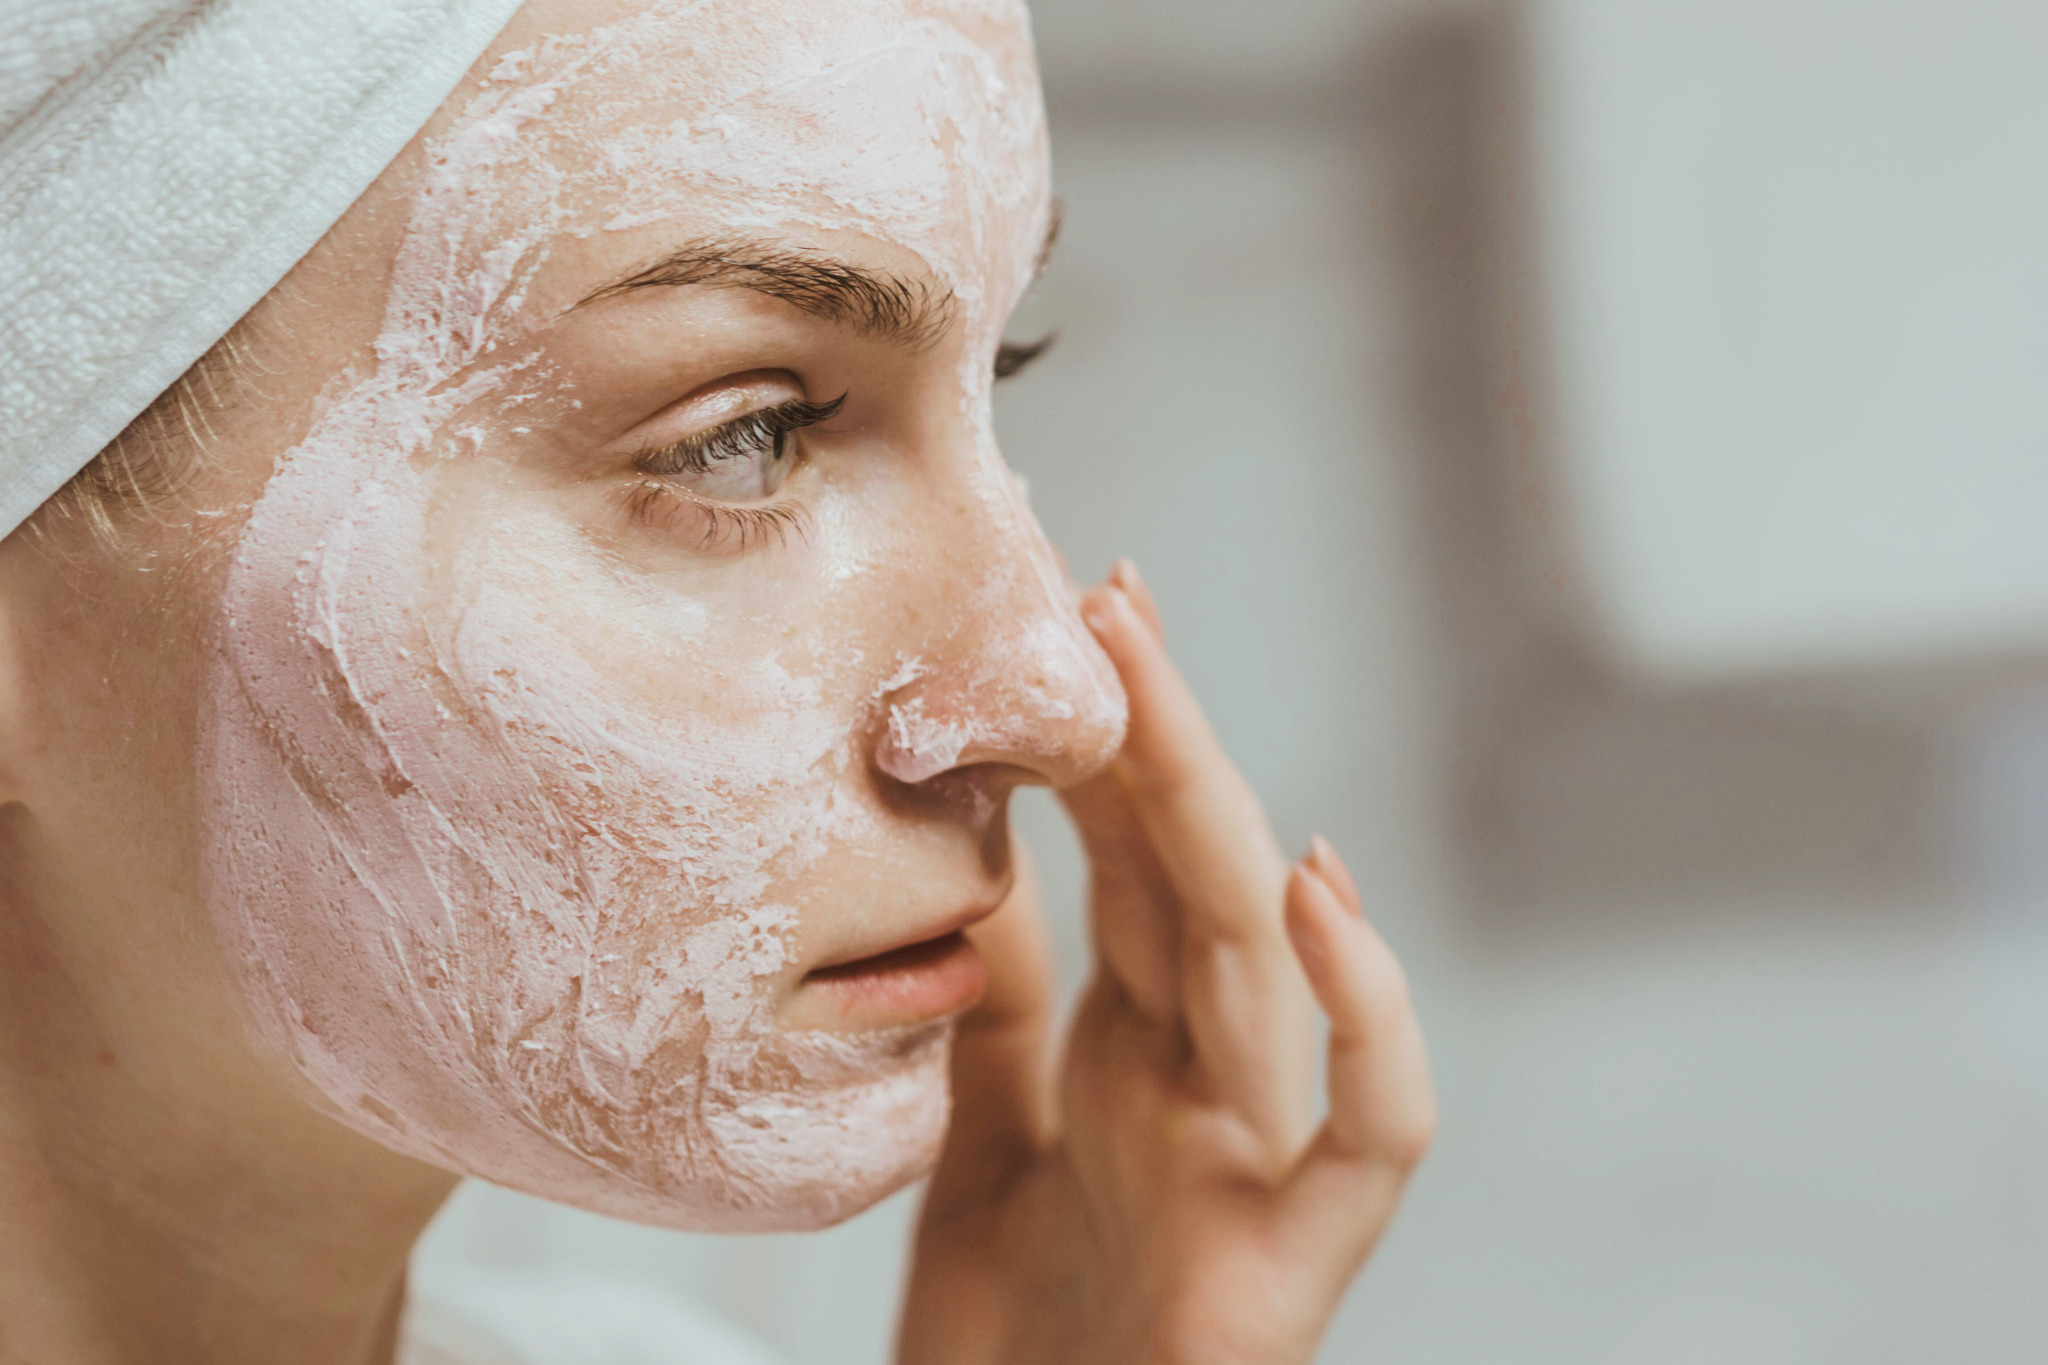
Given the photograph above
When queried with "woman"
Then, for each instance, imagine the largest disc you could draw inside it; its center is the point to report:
(537, 699)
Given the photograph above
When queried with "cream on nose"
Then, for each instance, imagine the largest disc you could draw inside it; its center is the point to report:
(1020, 681)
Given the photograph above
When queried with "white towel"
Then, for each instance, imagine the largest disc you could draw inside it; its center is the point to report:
(163, 163)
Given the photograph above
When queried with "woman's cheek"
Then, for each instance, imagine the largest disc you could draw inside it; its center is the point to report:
(504, 908)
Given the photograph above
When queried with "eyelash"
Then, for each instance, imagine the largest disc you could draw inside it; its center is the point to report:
(657, 500)
(696, 453)
(1013, 356)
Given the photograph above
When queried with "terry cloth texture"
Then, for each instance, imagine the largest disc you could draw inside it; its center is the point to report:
(163, 163)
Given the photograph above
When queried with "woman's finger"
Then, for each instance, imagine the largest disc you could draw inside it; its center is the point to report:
(1117, 1080)
(1323, 860)
(1245, 1007)
(1124, 575)
(1132, 920)
(1382, 1104)
(1002, 1050)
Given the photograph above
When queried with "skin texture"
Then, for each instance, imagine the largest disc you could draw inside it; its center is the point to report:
(415, 791)
(534, 787)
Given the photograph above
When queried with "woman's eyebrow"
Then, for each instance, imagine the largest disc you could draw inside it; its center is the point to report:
(904, 309)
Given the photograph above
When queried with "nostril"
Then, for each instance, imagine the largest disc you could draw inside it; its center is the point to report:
(1039, 697)
(916, 746)
(1060, 734)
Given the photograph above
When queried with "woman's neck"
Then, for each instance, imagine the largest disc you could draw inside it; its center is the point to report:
(167, 1215)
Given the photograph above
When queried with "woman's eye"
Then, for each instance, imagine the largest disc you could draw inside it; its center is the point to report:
(747, 468)
(744, 460)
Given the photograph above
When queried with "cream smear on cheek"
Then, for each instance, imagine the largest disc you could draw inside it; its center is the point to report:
(505, 912)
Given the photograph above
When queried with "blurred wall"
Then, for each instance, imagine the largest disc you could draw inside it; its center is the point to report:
(1793, 250)
(1732, 990)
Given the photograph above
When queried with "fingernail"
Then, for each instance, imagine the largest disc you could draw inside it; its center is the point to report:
(1305, 943)
(1335, 875)
(1306, 870)
(1103, 606)
(1133, 583)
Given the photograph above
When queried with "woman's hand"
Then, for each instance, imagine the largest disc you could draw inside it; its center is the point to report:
(1162, 1200)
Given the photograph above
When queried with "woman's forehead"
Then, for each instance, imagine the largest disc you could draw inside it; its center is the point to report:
(919, 125)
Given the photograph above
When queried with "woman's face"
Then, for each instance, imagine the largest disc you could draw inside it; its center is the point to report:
(643, 624)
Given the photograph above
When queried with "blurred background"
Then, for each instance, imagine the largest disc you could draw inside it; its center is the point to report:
(1593, 458)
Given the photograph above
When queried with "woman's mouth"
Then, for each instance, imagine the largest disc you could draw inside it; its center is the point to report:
(918, 981)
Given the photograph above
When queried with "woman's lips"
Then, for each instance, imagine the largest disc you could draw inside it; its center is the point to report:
(923, 980)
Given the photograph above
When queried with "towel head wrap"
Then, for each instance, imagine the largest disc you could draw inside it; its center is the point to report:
(163, 163)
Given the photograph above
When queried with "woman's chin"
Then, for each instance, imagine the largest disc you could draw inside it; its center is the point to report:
(864, 1116)
(849, 1119)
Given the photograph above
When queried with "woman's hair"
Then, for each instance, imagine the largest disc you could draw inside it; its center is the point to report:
(163, 447)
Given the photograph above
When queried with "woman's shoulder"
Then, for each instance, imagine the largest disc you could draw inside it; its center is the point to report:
(475, 1316)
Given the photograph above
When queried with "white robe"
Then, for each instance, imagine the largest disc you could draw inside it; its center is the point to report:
(470, 1316)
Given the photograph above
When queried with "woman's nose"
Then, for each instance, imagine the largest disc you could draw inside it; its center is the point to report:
(1017, 679)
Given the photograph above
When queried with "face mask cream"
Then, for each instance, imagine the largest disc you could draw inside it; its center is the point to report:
(510, 845)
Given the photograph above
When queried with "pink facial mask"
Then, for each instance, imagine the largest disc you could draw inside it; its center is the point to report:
(505, 910)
